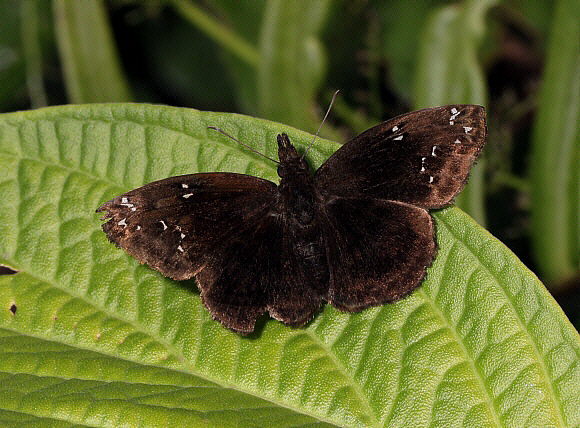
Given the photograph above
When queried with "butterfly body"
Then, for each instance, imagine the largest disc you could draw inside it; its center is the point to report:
(300, 212)
(356, 234)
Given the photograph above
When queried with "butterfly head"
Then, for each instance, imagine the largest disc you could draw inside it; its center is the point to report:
(290, 161)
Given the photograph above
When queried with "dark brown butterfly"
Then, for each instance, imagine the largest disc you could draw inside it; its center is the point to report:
(357, 234)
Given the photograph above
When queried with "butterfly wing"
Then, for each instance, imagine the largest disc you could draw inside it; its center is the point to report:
(227, 231)
(235, 280)
(377, 250)
(376, 190)
(255, 271)
(173, 224)
(421, 158)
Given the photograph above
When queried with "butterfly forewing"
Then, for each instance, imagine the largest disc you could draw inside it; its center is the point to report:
(422, 158)
(227, 231)
(173, 225)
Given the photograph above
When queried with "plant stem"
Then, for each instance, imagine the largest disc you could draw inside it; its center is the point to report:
(228, 39)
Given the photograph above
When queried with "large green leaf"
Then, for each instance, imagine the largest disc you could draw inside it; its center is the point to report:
(88, 336)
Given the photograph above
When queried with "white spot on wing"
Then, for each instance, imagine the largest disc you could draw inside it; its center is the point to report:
(133, 209)
(187, 195)
(454, 114)
(182, 235)
(184, 186)
(123, 222)
(467, 129)
(138, 227)
(180, 248)
(395, 128)
(124, 200)
(163, 223)
(458, 141)
(433, 151)
(430, 179)
(399, 138)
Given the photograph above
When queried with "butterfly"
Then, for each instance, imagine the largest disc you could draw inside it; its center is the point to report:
(356, 234)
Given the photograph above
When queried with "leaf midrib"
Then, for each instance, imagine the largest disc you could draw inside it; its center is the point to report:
(355, 385)
(468, 358)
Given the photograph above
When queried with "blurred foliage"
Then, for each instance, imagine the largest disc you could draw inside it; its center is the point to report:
(283, 60)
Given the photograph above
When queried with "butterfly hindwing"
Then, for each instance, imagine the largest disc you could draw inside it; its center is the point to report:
(235, 280)
(255, 271)
(172, 224)
(378, 250)
(422, 158)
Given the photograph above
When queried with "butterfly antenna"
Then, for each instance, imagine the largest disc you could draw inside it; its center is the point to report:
(322, 123)
(221, 131)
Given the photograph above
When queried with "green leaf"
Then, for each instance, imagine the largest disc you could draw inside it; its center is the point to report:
(555, 169)
(292, 62)
(398, 18)
(88, 54)
(88, 336)
(449, 72)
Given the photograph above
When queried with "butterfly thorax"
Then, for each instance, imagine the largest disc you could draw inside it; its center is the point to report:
(296, 184)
